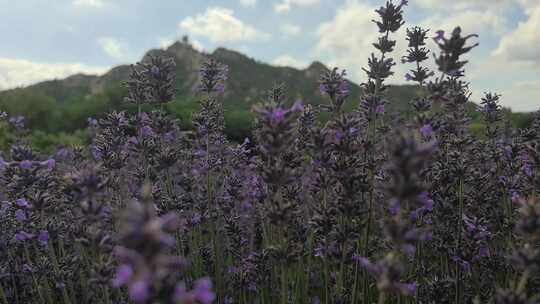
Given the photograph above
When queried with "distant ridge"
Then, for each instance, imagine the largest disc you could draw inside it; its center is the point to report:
(248, 81)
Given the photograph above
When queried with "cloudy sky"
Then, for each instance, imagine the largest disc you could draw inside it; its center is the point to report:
(46, 39)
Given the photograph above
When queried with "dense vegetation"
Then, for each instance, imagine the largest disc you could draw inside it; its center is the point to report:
(363, 206)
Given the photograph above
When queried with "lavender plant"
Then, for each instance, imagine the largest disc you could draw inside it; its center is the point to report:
(360, 208)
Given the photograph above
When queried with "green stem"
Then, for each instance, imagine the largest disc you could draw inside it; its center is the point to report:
(3, 295)
(382, 298)
(326, 284)
(523, 281)
(458, 241)
(355, 281)
(305, 292)
(284, 291)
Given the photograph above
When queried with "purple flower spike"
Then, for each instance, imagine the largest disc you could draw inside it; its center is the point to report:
(92, 122)
(277, 116)
(220, 87)
(17, 122)
(4, 206)
(50, 164)
(22, 236)
(297, 106)
(123, 275)
(196, 218)
(132, 141)
(212, 77)
(203, 291)
(334, 84)
(343, 88)
(169, 136)
(395, 206)
(20, 215)
(357, 258)
(527, 169)
(408, 249)
(95, 152)
(323, 88)
(146, 131)
(483, 252)
(26, 268)
(508, 151)
(426, 201)
(180, 293)
(374, 269)
(409, 288)
(439, 35)
(139, 291)
(319, 251)
(43, 237)
(426, 130)
(380, 109)
(469, 223)
(415, 214)
(21, 202)
(25, 164)
(408, 77)
(145, 119)
(338, 135)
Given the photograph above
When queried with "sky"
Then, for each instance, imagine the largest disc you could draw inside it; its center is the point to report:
(48, 39)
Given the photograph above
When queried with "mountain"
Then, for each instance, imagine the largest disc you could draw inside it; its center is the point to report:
(249, 79)
(64, 105)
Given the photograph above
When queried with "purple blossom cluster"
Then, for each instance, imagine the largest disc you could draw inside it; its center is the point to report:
(359, 208)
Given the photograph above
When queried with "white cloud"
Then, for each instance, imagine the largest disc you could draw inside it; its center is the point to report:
(529, 4)
(290, 29)
(483, 22)
(89, 3)
(289, 61)
(196, 44)
(112, 47)
(521, 45)
(347, 40)
(523, 96)
(248, 3)
(464, 4)
(528, 84)
(285, 5)
(20, 72)
(517, 82)
(516, 61)
(220, 25)
(165, 43)
(512, 68)
(488, 18)
(491, 5)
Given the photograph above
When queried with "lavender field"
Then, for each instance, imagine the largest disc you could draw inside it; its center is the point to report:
(318, 205)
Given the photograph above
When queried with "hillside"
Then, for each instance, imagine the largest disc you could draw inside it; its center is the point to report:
(64, 105)
(248, 80)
